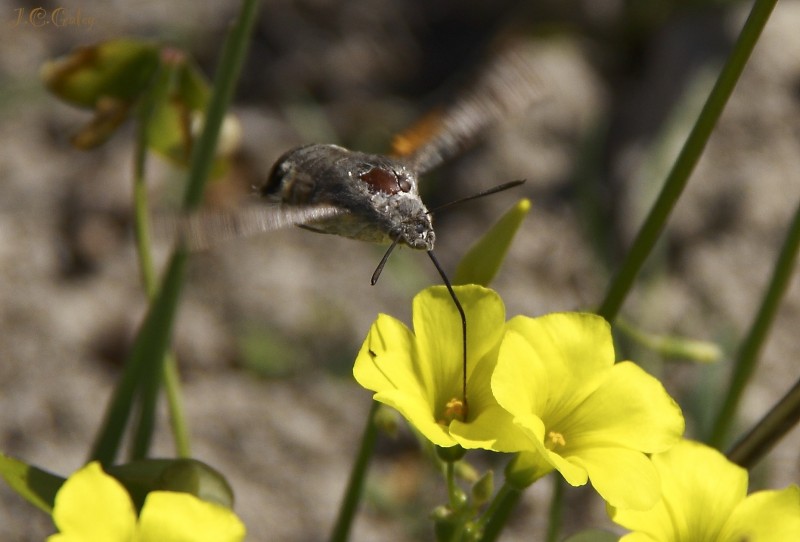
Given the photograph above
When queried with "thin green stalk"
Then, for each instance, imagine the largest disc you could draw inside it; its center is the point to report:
(202, 158)
(170, 377)
(747, 356)
(556, 510)
(141, 227)
(686, 161)
(156, 92)
(456, 504)
(148, 401)
(768, 431)
(177, 415)
(145, 357)
(153, 338)
(452, 486)
(233, 53)
(355, 485)
(496, 515)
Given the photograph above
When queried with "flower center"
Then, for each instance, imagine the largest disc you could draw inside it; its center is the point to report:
(554, 439)
(453, 410)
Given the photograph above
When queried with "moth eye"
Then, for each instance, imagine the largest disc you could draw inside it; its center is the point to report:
(276, 176)
(382, 180)
(404, 184)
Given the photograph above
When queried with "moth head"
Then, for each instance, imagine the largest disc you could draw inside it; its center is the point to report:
(417, 233)
(393, 188)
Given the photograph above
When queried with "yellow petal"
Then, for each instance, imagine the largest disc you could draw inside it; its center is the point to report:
(630, 409)
(492, 429)
(573, 473)
(581, 341)
(624, 478)
(92, 506)
(766, 516)
(419, 414)
(576, 352)
(488, 426)
(180, 517)
(701, 486)
(437, 326)
(520, 381)
(700, 489)
(421, 374)
(387, 358)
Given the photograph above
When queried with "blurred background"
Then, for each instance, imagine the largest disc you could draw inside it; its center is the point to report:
(269, 326)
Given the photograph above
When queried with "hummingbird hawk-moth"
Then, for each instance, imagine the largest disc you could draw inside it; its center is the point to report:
(374, 197)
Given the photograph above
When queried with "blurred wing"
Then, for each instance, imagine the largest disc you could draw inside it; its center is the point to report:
(506, 86)
(204, 229)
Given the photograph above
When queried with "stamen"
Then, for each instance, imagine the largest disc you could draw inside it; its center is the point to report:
(554, 439)
(455, 409)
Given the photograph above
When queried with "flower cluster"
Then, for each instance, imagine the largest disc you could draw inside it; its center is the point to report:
(92, 506)
(547, 387)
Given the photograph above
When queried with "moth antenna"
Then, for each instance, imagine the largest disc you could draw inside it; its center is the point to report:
(378, 270)
(463, 330)
(483, 193)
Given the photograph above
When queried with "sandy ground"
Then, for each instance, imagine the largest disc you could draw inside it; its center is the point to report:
(269, 326)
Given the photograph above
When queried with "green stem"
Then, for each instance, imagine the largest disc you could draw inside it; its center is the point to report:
(141, 223)
(456, 503)
(152, 340)
(556, 510)
(496, 515)
(145, 358)
(452, 486)
(233, 53)
(355, 485)
(147, 271)
(148, 401)
(177, 415)
(687, 159)
(202, 159)
(768, 431)
(747, 356)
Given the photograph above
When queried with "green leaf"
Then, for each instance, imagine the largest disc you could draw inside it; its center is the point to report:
(481, 263)
(36, 486)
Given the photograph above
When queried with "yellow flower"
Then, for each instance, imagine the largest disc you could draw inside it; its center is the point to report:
(94, 507)
(420, 373)
(704, 500)
(582, 414)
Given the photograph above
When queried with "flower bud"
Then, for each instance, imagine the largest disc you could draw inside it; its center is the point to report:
(483, 489)
(181, 475)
